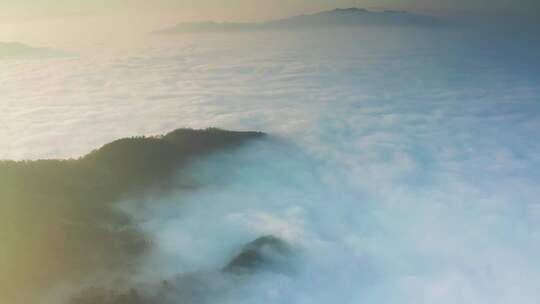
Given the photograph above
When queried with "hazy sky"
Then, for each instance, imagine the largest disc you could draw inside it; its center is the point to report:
(48, 20)
(248, 9)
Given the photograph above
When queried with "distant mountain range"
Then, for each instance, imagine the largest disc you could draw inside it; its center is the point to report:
(349, 17)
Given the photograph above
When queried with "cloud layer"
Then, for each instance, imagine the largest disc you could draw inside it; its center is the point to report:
(404, 169)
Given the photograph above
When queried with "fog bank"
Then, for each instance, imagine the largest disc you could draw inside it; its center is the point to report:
(402, 165)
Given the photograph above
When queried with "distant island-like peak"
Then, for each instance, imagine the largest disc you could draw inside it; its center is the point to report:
(340, 17)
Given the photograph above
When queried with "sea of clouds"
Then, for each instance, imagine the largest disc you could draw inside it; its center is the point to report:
(403, 165)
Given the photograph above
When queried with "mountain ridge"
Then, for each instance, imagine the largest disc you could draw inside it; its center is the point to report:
(17, 50)
(339, 17)
(77, 199)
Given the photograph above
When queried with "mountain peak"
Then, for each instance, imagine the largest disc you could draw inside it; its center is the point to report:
(350, 10)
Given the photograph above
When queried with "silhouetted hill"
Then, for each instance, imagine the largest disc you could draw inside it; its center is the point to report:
(15, 50)
(58, 222)
(350, 17)
(266, 253)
